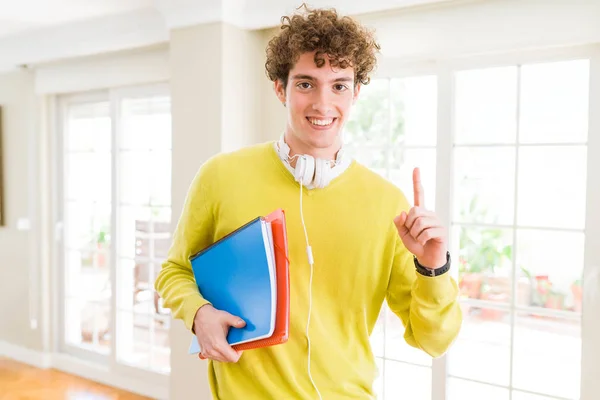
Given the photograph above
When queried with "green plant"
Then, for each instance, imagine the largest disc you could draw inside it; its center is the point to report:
(371, 116)
(481, 250)
(101, 238)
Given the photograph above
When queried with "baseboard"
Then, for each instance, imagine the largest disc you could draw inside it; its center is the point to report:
(25, 355)
(88, 370)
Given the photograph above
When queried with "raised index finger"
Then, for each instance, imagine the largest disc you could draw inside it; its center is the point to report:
(419, 196)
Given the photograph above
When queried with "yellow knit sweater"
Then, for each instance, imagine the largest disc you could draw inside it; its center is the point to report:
(359, 261)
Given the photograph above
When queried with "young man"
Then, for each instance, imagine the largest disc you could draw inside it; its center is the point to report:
(368, 244)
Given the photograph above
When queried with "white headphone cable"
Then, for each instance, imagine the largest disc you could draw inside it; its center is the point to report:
(311, 262)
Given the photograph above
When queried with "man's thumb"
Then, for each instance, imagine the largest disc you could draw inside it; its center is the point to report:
(399, 221)
(235, 321)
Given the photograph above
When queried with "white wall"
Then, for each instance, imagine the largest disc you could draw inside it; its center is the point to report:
(134, 67)
(473, 27)
(17, 249)
(216, 87)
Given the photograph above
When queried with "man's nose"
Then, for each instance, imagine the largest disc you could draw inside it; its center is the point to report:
(323, 102)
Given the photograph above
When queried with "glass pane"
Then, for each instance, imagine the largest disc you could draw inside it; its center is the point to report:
(126, 292)
(135, 177)
(517, 395)
(146, 123)
(414, 111)
(102, 320)
(484, 185)
(547, 355)
(482, 351)
(553, 276)
(373, 158)
(87, 324)
(87, 217)
(160, 185)
(554, 102)
(485, 263)
(88, 177)
(88, 127)
(377, 336)
(87, 226)
(551, 181)
(401, 171)
(145, 301)
(83, 280)
(73, 320)
(145, 177)
(378, 384)
(144, 232)
(486, 106)
(396, 347)
(161, 349)
(369, 120)
(160, 309)
(460, 389)
(133, 346)
(407, 381)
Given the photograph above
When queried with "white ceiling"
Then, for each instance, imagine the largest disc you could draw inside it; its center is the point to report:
(36, 31)
(23, 15)
(27, 15)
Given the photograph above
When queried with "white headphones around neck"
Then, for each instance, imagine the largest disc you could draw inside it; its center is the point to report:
(309, 171)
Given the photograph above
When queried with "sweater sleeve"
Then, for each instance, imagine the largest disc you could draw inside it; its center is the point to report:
(428, 306)
(175, 282)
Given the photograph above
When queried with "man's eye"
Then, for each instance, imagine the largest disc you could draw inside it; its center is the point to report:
(304, 85)
(340, 87)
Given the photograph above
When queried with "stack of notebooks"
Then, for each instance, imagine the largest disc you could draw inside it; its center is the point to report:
(246, 273)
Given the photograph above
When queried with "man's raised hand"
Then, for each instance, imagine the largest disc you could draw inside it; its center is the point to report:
(421, 230)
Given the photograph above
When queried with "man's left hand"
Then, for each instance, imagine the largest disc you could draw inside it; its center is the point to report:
(422, 231)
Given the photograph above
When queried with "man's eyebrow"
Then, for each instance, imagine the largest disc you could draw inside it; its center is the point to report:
(302, 76)
(310, 78)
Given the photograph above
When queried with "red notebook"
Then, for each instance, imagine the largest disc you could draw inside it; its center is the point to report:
(282, 319)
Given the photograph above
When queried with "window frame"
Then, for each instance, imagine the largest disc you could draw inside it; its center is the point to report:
(444, 70)
(114, 96)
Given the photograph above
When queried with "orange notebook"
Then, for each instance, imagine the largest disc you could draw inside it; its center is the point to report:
(282, 319)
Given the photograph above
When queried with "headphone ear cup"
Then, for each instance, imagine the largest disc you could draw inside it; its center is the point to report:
(320, 171)
(304, 170)
(309, 172)
(323, 173)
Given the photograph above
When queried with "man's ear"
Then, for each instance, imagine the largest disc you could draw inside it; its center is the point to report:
(279, 89)
(356, 92)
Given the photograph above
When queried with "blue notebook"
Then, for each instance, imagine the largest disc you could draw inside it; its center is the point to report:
(237, 274)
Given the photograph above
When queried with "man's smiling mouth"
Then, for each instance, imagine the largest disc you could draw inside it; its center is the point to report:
(321, 121)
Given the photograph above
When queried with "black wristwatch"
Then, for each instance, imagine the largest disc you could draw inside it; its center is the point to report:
(433, 272)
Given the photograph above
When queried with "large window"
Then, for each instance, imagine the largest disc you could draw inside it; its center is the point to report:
(393, 129)
(115, 206)
(518, 180)
(520, 152)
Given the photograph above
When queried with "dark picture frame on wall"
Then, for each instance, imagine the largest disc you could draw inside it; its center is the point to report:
(2, 219)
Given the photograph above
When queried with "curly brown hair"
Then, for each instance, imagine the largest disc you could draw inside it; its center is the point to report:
(342, 39)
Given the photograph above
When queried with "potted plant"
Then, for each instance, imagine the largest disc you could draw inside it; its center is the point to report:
(577, 291)
(101, 245)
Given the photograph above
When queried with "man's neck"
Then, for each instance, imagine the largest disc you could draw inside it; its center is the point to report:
(296, 147)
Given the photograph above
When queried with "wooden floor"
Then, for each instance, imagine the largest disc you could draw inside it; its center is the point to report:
(23, 382)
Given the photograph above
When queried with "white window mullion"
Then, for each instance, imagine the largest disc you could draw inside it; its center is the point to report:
(114, 111)
(443, 206)
(513, 295)
(590, 355)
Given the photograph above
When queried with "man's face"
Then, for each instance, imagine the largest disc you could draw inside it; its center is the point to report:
(318, 102)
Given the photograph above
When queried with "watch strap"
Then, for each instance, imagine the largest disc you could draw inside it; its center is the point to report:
(433, 272)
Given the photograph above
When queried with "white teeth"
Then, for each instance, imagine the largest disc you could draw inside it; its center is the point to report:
(321, 122)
